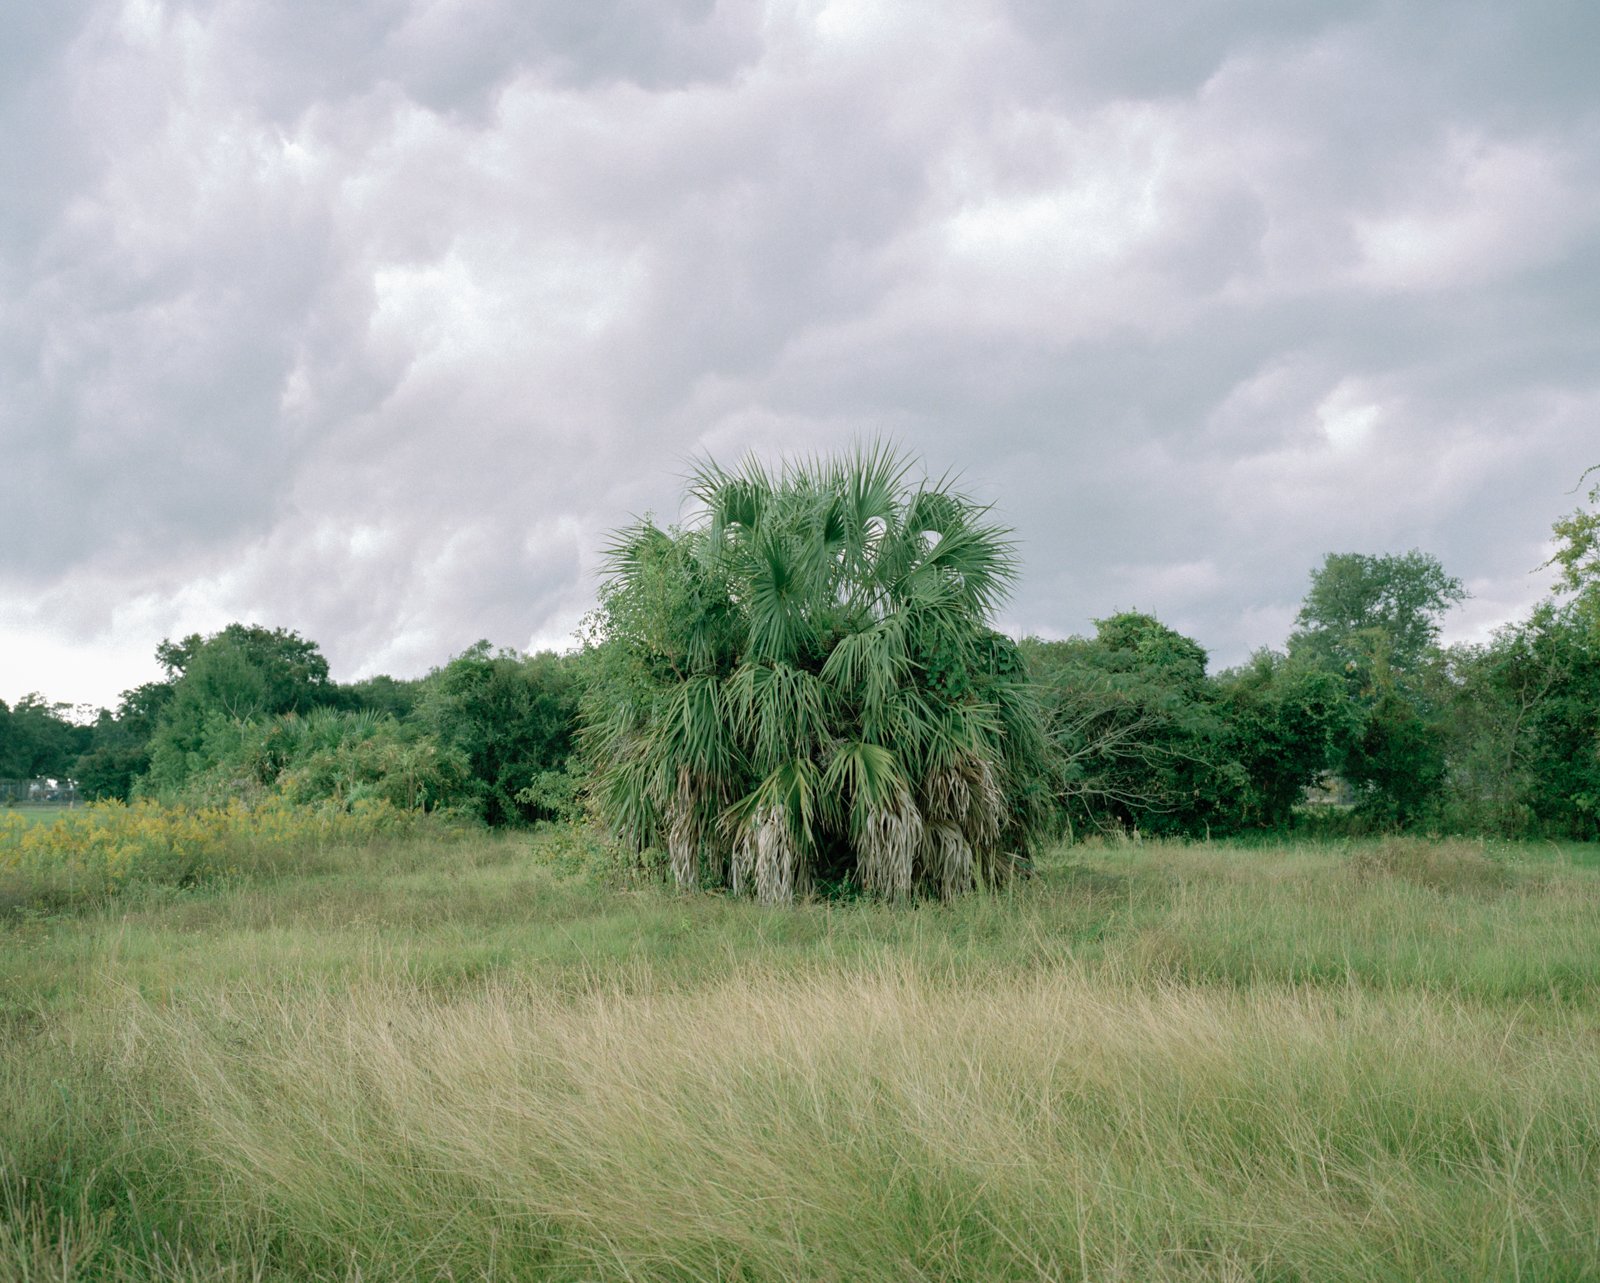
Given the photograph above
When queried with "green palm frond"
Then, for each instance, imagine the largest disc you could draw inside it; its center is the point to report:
(631, 546)
(977, 562)
(867, 670)
(794, 790)
(871, 479)
(629, 801)
(694, 732)
(779, 711)
(777, 598)
(864, 776)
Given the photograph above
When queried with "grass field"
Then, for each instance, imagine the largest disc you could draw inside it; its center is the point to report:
(37, 812)
(483, 1060)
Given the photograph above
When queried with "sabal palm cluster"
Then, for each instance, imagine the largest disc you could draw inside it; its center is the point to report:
(803, 682)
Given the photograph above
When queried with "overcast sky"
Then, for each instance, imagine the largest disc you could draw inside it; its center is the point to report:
(371, 319)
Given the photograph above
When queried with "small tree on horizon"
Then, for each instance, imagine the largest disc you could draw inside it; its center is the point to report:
(1375, 621)
(803, 681)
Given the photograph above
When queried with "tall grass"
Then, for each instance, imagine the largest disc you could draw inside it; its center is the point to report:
(1157, 1063)
(95, 852)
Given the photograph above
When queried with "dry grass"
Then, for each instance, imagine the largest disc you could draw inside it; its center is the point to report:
(874, 1125)
(1449, 864)
(1215, 1082)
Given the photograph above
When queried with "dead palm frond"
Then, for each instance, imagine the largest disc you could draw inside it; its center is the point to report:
(947, 860)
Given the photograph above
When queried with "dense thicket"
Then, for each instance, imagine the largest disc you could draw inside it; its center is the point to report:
(802, 683)
(510, 721)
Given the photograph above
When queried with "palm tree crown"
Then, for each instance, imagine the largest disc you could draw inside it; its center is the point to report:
(803, 680)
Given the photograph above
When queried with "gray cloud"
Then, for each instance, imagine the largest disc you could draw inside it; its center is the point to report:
(371, 321)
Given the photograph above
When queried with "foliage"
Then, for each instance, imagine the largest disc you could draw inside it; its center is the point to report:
(1396, 759)
(348, 758)
(1137, 742)
(345, 758)
(1362, 609)
(1285, 721)
(803, 683)
(250, 669)
(381, 694)
(99, 849)
(1578, 554)
(1524, 747)
(220, 684)
(118, 752)
(38, 739)
(557, 794)
(1375, 621)
(511, 719)
(328, 756)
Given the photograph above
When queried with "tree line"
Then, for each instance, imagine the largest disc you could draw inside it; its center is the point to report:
(251, 710)
(802, 683)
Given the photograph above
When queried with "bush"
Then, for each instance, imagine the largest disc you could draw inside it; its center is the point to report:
(510, 720)
(803, 687)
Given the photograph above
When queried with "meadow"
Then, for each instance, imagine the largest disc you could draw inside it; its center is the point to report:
(444, 1055)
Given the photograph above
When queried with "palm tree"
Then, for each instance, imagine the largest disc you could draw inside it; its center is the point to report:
(803, 679)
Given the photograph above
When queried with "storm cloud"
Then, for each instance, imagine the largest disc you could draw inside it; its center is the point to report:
(371, 321)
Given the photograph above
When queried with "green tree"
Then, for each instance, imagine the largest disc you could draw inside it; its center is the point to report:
(1375, 621)
(1577, 554)
(1360, 605)
(246, 670)
(221, 683)
(342, 756)
(382, 694)
(511, 718)
(11, 756)
(1286, 722)
(118, 752)
(1524, 753)
(1137, 742)
(803, 682)
(39, 739)
(330, 756)
(1396, 758)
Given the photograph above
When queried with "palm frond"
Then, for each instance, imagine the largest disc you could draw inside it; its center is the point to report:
(630, 546)
(694, 732)
(777, 837)
(778, 627)
(867, 670)
(946, 858)
(886, 828)
(628, 798)
(781, 712)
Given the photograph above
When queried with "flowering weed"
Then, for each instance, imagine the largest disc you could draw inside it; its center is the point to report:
(98, 850)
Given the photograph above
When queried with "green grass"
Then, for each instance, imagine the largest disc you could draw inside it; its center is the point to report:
(1373, 1060)
(35, 812)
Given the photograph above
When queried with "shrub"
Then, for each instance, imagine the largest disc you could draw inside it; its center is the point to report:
(803, 684)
